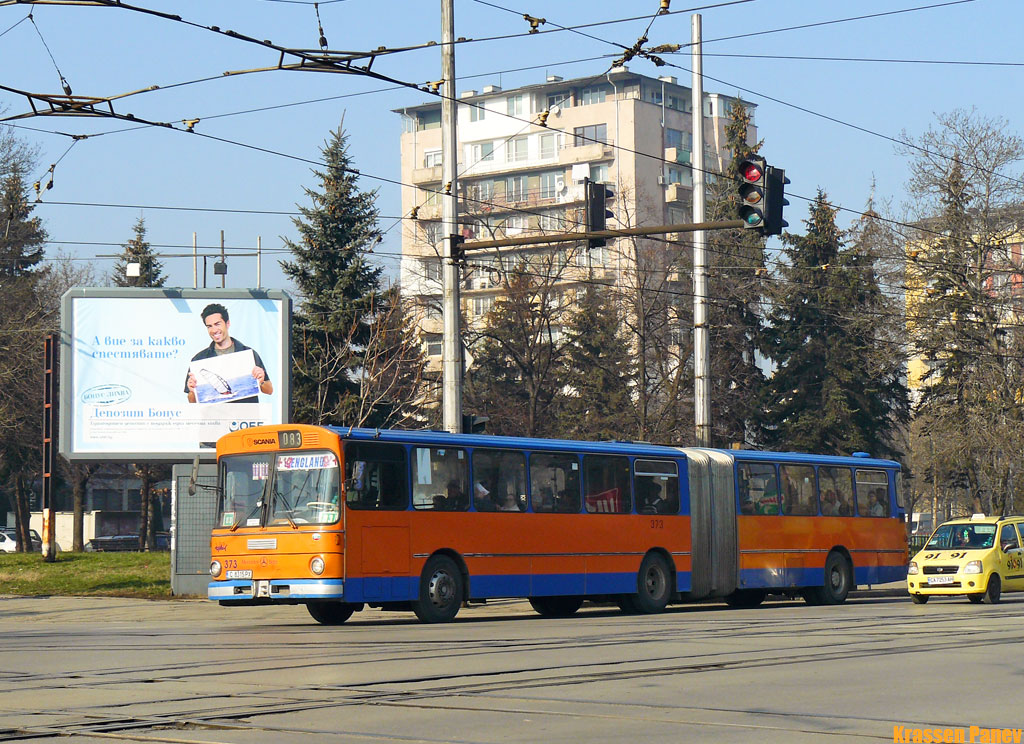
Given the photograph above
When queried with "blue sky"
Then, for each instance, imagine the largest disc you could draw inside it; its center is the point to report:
(828, 122)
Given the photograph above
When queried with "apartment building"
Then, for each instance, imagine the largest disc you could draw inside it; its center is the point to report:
(523, 155)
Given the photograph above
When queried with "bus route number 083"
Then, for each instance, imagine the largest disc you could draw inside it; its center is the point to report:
(290, 439)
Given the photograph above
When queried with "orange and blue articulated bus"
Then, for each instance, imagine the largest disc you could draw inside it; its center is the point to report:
(340, 519)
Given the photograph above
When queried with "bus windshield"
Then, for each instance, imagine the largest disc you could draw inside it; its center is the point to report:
(304, 489)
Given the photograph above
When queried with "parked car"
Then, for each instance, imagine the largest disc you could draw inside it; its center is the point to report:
(11, 536)
(122, 543)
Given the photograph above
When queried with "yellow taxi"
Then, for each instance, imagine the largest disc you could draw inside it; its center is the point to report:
(978, 556)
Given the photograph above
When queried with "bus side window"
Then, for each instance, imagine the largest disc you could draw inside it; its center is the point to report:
(375, 476)
(554, 483)
(440, 478)
(872, 493)
(758, 488)
(799, 491)
(657, 486)
(606, 484)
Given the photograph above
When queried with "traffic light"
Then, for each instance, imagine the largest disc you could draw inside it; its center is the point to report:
(473, 424)
(752, 171)
(762, 196)
(596, 213)
(774, 200)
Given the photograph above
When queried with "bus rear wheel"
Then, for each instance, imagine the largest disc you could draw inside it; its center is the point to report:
(440, 591)
(746, 598)
(654, 587)
(838, 580)
(556, 606)
(330, 613)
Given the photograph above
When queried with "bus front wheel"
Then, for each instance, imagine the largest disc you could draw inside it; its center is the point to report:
(440, 591)
(330, 613)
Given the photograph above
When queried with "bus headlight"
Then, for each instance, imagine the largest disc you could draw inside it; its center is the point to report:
(972, 567)
(215, 569)
(912, 568)
(317, 565)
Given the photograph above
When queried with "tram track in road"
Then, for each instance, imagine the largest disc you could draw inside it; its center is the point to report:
(465, 691)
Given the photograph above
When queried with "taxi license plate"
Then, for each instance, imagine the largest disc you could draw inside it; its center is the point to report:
(938, 580)
(240, 574)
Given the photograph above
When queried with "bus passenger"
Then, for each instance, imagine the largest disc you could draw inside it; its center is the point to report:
(509, 503)
(482, 498)
(829, 504)
(879, 507)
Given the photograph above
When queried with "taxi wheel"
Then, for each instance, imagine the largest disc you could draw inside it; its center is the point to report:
(994, 590)
(975, 598)
(919, 598)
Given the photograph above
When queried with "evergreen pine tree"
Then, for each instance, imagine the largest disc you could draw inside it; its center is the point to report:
(835, 388)
(597, 370)
(138, 250)
(24, 320)
(515, 378)
(340, 293)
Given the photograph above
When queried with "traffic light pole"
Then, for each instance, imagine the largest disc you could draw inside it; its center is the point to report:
(451, 357)
(701, 356)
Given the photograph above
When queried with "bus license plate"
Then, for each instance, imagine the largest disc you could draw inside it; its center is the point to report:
(938, 580)
(240, 574)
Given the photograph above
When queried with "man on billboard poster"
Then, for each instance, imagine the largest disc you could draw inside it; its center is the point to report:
(227, 370)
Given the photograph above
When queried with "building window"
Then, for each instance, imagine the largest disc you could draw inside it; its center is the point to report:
(482, 306)
(428, 120)
(431, 158)
(599, 173)
(476, 111)
(515, 189)
(515, 224)
(589, 134)
(549, 184)
(435, 344)
(432, 269)
(559, 99)
(674, 138)
(596, 94)
(551, 221)
(480, 191)
(480, 152)
(431, 232)
(548, 146)
(682, 176)
(516, 150)
(515, 105)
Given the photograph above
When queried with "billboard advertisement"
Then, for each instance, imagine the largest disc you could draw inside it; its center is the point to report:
(161, 374)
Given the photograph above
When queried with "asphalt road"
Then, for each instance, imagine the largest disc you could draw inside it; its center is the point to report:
(97, 670)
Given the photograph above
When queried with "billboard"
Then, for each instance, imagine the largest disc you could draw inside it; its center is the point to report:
(144, 376)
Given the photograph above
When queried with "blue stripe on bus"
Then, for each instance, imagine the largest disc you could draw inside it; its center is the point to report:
(764, 578)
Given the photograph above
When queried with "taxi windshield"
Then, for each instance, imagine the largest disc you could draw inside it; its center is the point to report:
(969, 536)
(304, 489)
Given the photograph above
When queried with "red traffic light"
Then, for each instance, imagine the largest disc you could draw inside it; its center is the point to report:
(751, 172)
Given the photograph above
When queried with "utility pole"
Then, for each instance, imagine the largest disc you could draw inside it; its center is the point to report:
(451, 359)
(701, 360)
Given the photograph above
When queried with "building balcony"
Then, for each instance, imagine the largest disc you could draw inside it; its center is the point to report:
(676, 192)
(677, 155)
(585, 153)
(427, 175)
